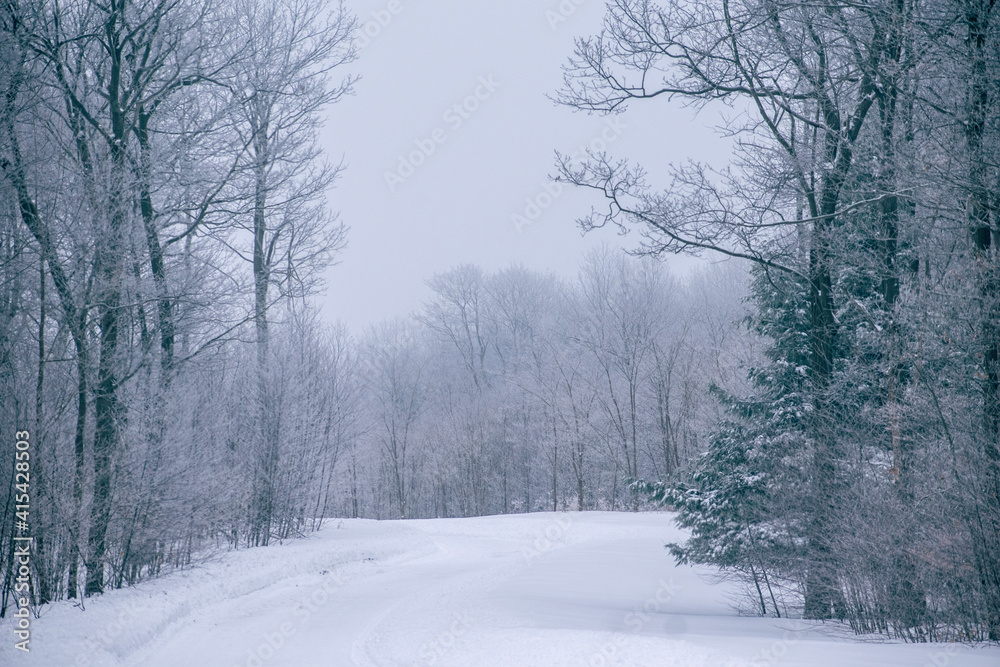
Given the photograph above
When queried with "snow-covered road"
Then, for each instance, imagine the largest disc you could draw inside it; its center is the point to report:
(543, 589)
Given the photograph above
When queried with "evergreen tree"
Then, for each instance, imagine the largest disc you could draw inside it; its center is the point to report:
(743, 498)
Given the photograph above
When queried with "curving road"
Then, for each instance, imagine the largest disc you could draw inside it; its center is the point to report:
(575, 589)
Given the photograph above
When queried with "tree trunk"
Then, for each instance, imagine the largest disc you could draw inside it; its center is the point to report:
(106, 406)
(821, 582)
(109, 262)
(986, 531)
(267, 449)
(37, 472)
(555, 465)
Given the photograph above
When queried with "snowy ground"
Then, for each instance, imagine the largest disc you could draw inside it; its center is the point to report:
(542, 589)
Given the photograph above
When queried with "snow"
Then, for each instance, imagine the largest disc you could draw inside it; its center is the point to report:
(574, 589)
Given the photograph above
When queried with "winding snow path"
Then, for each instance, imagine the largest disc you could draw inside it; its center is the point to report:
(544, 589)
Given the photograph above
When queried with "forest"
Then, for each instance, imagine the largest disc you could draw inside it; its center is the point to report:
(820, 405)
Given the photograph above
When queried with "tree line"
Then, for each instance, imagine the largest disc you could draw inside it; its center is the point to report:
(859, 479)
(516, 391)
(163, 196)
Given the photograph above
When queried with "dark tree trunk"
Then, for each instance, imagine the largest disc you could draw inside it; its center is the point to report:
(109, 263)
(38, 473)
(822, 592)
(985, 235)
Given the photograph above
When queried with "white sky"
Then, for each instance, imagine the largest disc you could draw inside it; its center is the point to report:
(457, 206)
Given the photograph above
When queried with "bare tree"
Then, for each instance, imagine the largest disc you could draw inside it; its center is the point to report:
(284, 53)
(620, 315)
(395, 372)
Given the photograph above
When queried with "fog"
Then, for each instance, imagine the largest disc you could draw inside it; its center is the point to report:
(418, 61)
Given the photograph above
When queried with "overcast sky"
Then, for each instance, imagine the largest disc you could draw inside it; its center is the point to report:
(414, 210)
